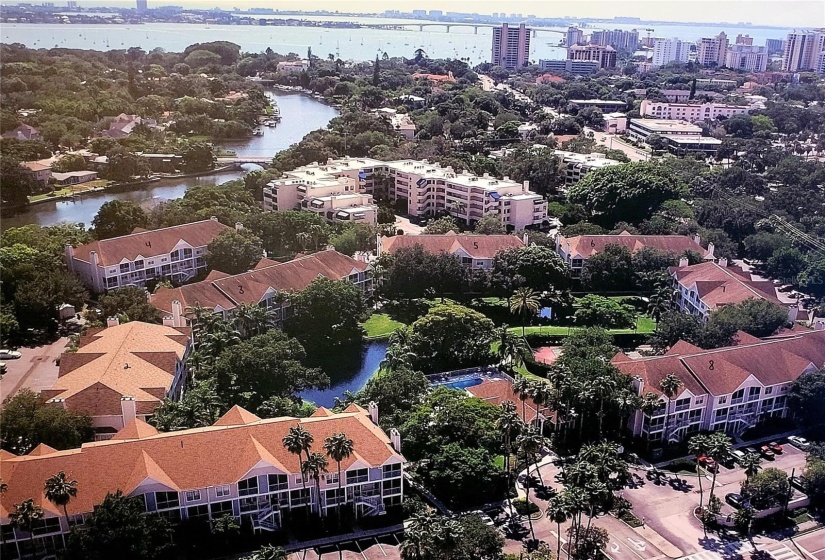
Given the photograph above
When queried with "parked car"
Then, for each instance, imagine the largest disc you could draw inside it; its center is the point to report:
(737, 455)
(800, 442)
(775, 447)
(486, 519)
(736, 500)
(9, 354)
(767, 452)
(709, 463)
(752, 449)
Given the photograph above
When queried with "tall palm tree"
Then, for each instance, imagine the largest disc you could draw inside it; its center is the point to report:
(558, 511)
(510, 427)
(524, 302)
(530, 443)
(298, 440)
(626, 401)
(603, 388)
(698, 445)
(314, 466)
(577, 502)
(419, 536)
(339, 447)
(459, 207)
(522, 387)
(751, 463)
(60, 492)
(670, 388)
(511, 349)
(24, 516)
(719, 448)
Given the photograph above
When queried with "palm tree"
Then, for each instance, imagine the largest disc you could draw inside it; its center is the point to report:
(577, 502)
(419, 536)
(626, 401)
(698, 445)
(24, 516)
(459, 207)
(669, 387)
(316, 464)
(511, 349)
(530, 443)
(603, 387)
(660, 301)
(558, 511)
(60, 492)
(511, 427)
(522, 387)
(524, 302)
(338, 447)
(397, 357)
(252, 320)
(719, 448)
(751, 463)
(298, 440)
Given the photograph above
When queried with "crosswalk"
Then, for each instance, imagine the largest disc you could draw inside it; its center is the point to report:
(777, 551)
(782, 552)
(704, 555)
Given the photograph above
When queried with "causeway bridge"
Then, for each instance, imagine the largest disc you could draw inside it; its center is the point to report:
(450, 25)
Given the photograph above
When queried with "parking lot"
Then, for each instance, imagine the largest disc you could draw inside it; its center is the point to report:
(372, 548)
(35, 369)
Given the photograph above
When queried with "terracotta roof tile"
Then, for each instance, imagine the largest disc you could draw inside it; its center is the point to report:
(497, 391)
(476, 246)
(584, 246)
(136, 429)
(41, 450)
(236, 416)
(718, 285)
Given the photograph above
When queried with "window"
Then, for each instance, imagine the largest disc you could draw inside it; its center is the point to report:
(336, 496)
(166, 500)
(187, 253)
(174, 255)
(392, 470)
(124, 268)
(111, 282)
(721, 413)
(277, 482)
(390, 487)
(248, 487)
(139, 265)
(723, 400)
(299, 497)
(768, 390)
(221, 508)
(221, 491)
(753, 392)
(45, 526)
(193, 496)
(332, 478)
(358, 475)
(198, 512)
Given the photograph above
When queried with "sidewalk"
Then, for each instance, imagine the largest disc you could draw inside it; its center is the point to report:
(338, 539)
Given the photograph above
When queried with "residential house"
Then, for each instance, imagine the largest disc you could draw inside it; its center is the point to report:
(121, 372)
(728, 389)
(705, 287)
(401, 122)
(264, 286)
(293, 66)
(23, 132)
(237, 467)
(475, 251)
(436, 78)
(74, 177)
(576, 250)
(123, 125)
(177, 252)
(41, 171)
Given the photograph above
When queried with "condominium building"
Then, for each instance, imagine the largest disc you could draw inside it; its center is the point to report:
(427, 188)
(729, 389)
(575, 166)
(575, 251)
(265, 286)
(618, 39)
(705, 287)
(669, 50)
(121, 372)
(475, 251)
(712, 50)
(605, 56)
(691, 112)
(747, 57)
(575, 67)
(237, 467)
(574, 36)
(293, 66)
(177, 253)
(680, 136)
(803, 50)
(744, 39)
(775, 46)
(511, 46)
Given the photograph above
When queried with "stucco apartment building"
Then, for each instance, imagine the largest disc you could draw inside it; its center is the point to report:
(237, 467)
(427, 188)
(222, 293)
(575, 251)
(177, 252)
(122, 372)
(691, 112)
(679, 135)
(705, 287)
(575, 166)
(728, 389)
(475, 251)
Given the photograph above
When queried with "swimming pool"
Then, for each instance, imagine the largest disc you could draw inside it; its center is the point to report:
(463, 383)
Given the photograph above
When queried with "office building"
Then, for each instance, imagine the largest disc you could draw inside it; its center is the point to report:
(604, 56)
(121, 372)
(475, 251)
(713, 50)
(747, 57)
(574, 37)
(803, 50)
(177, 253)
(618, 39)
(511, 46)
(237, 467)
(691, 112)
(669, 50)
(681, 137)
(729, 389)
(775, 46)
(575, 67)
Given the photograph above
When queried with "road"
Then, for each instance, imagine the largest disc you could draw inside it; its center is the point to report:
(615, 143)
(35, 370)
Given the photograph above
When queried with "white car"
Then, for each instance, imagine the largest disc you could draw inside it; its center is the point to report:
(9, 354)
(800, 442)
(486, 519)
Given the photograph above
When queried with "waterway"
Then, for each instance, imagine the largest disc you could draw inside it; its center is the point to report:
(301, 114)
(349, 378)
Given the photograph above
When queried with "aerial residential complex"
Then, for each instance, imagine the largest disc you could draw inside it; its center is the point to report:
(475, 251)
(426, 187)
(511, 46)
(728, 389)
(804, 50)
(250, 475)
(575, 165)
(121, 372)
(177, 253)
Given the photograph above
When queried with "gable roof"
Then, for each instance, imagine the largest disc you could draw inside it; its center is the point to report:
(497, 391)
(477, 246)
(236, 416)
(585, 246)
(186, 459)
(136, 429)
(723, 285)
(227, 292)
(133, 359)
(22, 132)
(150, 243)
(721, 371)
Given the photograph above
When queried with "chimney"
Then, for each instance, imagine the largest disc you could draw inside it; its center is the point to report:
(238, 226)
(526, 186)
(68, 252)
(178, 320)
(723, 262)
(696, 238)
(683, 262)
(59, 402)
(112, 322)
(711, 248)
(128, 407)
(373, 409)
(525, 238)
(395, 439)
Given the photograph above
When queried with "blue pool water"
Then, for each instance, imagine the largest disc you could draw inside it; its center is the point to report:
(464, 383)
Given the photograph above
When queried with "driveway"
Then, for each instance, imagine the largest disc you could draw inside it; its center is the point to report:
(35, 370)
(407, 227)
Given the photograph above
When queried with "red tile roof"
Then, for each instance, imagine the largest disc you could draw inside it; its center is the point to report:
(476, 246)
(150, 243)
(227, 292)
(497, 391)
(718, 285)
(187, 459)
(584, 246)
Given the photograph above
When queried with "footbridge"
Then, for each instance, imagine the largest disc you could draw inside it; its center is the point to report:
(237, 161)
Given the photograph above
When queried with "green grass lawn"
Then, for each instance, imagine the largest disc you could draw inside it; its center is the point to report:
(380, 325)
(644, 325)
(72, 189)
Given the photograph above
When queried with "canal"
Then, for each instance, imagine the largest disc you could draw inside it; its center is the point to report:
(348, 377)
(301, 114)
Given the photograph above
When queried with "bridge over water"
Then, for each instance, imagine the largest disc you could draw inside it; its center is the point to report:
(237, 161)
(448, 26)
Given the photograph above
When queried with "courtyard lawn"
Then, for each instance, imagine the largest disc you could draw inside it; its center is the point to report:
(380, 325)
(644, 325)
(521, 369)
